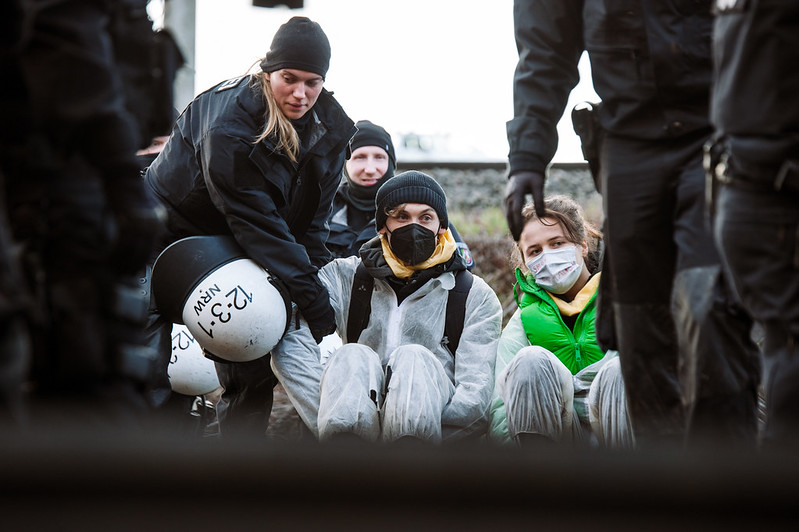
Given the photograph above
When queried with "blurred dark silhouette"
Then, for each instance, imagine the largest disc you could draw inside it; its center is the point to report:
(79, 98)
(754, 158)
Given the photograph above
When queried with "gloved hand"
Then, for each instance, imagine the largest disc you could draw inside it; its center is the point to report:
(140, 219)
(519, 185)
(321, 320)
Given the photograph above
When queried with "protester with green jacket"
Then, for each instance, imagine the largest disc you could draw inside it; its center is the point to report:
(553, 381)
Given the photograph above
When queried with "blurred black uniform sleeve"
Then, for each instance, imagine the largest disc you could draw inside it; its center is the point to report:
(75, 86)
(77, 97)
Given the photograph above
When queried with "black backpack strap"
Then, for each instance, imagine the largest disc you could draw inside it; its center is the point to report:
(361, 306)
(456, 309)
(360, 303)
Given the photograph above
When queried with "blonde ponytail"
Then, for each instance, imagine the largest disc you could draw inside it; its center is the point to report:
(276, 123)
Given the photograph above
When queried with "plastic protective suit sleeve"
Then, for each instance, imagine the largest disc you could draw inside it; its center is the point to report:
(607, 406)
(513, 339)
(583, 380)
(467, 411)
(295, 362)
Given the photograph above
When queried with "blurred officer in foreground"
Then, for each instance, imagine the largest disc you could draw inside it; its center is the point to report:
(651, 67)
(14, 300)
(79, 208)
(755, 159)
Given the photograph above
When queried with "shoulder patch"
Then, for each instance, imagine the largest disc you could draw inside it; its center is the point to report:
(465, 253)
(229, 84)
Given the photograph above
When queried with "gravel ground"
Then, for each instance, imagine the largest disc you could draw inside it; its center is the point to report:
(284, 423)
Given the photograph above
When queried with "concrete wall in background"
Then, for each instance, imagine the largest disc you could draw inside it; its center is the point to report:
(475, 186)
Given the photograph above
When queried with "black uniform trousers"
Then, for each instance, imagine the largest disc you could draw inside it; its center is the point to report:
(758, 234)
(246, 404)
(686, 355)
(756, 114)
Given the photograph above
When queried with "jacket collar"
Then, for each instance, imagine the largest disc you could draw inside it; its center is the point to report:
(333, 129)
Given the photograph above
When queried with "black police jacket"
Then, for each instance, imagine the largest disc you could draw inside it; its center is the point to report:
(755, 106)
(350, 227)
(214, 180)
(650, 63)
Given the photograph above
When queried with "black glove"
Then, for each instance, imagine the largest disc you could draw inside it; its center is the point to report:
(519, 185)
(321, 320)
(139, 219)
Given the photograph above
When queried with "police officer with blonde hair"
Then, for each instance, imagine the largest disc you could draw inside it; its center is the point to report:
(259, 158)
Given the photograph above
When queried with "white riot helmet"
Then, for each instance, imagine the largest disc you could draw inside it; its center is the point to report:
(190, 373)
(235, 309)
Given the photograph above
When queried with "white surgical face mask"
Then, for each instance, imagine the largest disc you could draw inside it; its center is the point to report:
(556, 270)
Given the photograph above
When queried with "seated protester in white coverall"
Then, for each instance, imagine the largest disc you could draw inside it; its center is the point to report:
(400, 379)
(553, 381)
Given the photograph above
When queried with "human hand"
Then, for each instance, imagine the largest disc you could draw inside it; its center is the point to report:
(320, 321)
(519, 185)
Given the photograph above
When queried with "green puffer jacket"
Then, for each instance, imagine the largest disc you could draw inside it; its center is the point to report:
(544, 326)
(538, 321)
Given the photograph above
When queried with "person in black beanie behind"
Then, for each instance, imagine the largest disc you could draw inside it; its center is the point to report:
(371, 161)
(259, 157)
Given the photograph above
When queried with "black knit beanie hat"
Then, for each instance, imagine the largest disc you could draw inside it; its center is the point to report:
(370, 134)
(301, 44)
(410, 187)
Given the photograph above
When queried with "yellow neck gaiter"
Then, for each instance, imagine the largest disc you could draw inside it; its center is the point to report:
(445, 247)
(576, 305)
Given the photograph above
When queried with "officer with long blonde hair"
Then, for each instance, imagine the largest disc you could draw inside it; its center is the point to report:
(259, 157)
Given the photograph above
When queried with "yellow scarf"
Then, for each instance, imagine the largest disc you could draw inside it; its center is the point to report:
(445, 247)
(576, 305)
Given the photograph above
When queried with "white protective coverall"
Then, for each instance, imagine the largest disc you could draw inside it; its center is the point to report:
(535, 392)
(429, 393)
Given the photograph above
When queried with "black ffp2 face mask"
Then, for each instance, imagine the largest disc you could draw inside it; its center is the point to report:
(413, 243)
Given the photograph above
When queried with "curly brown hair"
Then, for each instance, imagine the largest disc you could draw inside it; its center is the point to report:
(567, 213)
